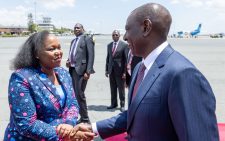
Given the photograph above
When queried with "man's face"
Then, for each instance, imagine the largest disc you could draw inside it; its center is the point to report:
(78, 29)
(115, 36)
(133, 36)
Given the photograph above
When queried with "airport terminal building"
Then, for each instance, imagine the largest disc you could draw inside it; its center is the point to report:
(13, 29)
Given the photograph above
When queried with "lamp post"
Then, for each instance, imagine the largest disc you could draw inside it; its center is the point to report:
(35, 12)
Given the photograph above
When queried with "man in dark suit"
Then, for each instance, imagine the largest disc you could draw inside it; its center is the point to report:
(169, 98)
(80, 63)
(132, 61)
(116, 69)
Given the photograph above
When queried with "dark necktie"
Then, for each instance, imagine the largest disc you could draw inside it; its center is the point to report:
(114, 48)
(139, 79)
(73, 49)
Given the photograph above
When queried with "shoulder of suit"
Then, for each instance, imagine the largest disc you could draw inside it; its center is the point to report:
(86, 37)
(25, 72)
(110, 43)
(123, 42)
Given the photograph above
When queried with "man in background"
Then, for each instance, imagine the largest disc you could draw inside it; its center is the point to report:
(132, 61)
(80, 63)
(116, 69)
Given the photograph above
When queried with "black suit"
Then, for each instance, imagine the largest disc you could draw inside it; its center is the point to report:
(83, 60)
(116, 67)
(135, 60)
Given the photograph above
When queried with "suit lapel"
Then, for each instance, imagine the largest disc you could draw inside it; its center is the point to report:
(81, 38)
(147, 83)
(63, 83)
(50, 87)
(133, 80)
(111, 48)
(117, 48)
(71, 44)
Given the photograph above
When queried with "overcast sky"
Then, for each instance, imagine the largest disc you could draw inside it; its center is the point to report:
(103, 16)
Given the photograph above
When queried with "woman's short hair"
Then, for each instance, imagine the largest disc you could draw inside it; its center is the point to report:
(27, 55)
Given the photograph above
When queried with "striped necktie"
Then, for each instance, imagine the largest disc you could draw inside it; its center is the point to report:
(139, 79)
(114, 48)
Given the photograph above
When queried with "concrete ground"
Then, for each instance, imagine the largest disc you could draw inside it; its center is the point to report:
(206, 54)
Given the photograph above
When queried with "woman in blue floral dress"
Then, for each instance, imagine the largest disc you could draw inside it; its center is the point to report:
(40, 92)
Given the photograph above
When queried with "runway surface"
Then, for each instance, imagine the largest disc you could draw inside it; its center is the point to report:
(206, 54)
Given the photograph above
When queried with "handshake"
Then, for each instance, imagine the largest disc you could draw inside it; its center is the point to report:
(80, 132)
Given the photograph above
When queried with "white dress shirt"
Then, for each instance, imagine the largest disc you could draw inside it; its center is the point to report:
(150, 59)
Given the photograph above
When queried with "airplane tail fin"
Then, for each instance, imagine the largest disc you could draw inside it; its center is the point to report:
(199, 27)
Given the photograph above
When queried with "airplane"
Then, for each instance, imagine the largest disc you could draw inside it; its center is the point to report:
(191, 33)
(217, 35)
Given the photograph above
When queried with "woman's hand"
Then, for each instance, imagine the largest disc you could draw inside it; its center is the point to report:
(81, 132)
(63, 130)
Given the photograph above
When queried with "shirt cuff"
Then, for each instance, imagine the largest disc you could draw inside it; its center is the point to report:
(94, 128)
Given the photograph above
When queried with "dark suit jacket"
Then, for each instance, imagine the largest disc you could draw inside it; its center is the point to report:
(134, 62)
(35, 105)
(84, 56)
(118, 61)
(173, 103)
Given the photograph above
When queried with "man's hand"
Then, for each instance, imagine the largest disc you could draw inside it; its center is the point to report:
(82, 132)
(86, 76)
(106, 74)
(64, 130)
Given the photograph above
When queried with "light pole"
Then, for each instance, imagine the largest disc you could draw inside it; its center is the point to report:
(35, 12)
(35, 17)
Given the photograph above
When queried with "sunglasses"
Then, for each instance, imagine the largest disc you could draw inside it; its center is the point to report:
(116, 35)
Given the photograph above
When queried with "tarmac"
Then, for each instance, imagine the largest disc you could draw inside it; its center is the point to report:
(207, 54)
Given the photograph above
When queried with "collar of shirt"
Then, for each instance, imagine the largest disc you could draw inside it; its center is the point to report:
(78, 37)
(150, 59)
(116, 43)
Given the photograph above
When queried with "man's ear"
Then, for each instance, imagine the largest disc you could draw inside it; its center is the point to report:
(147, 27)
